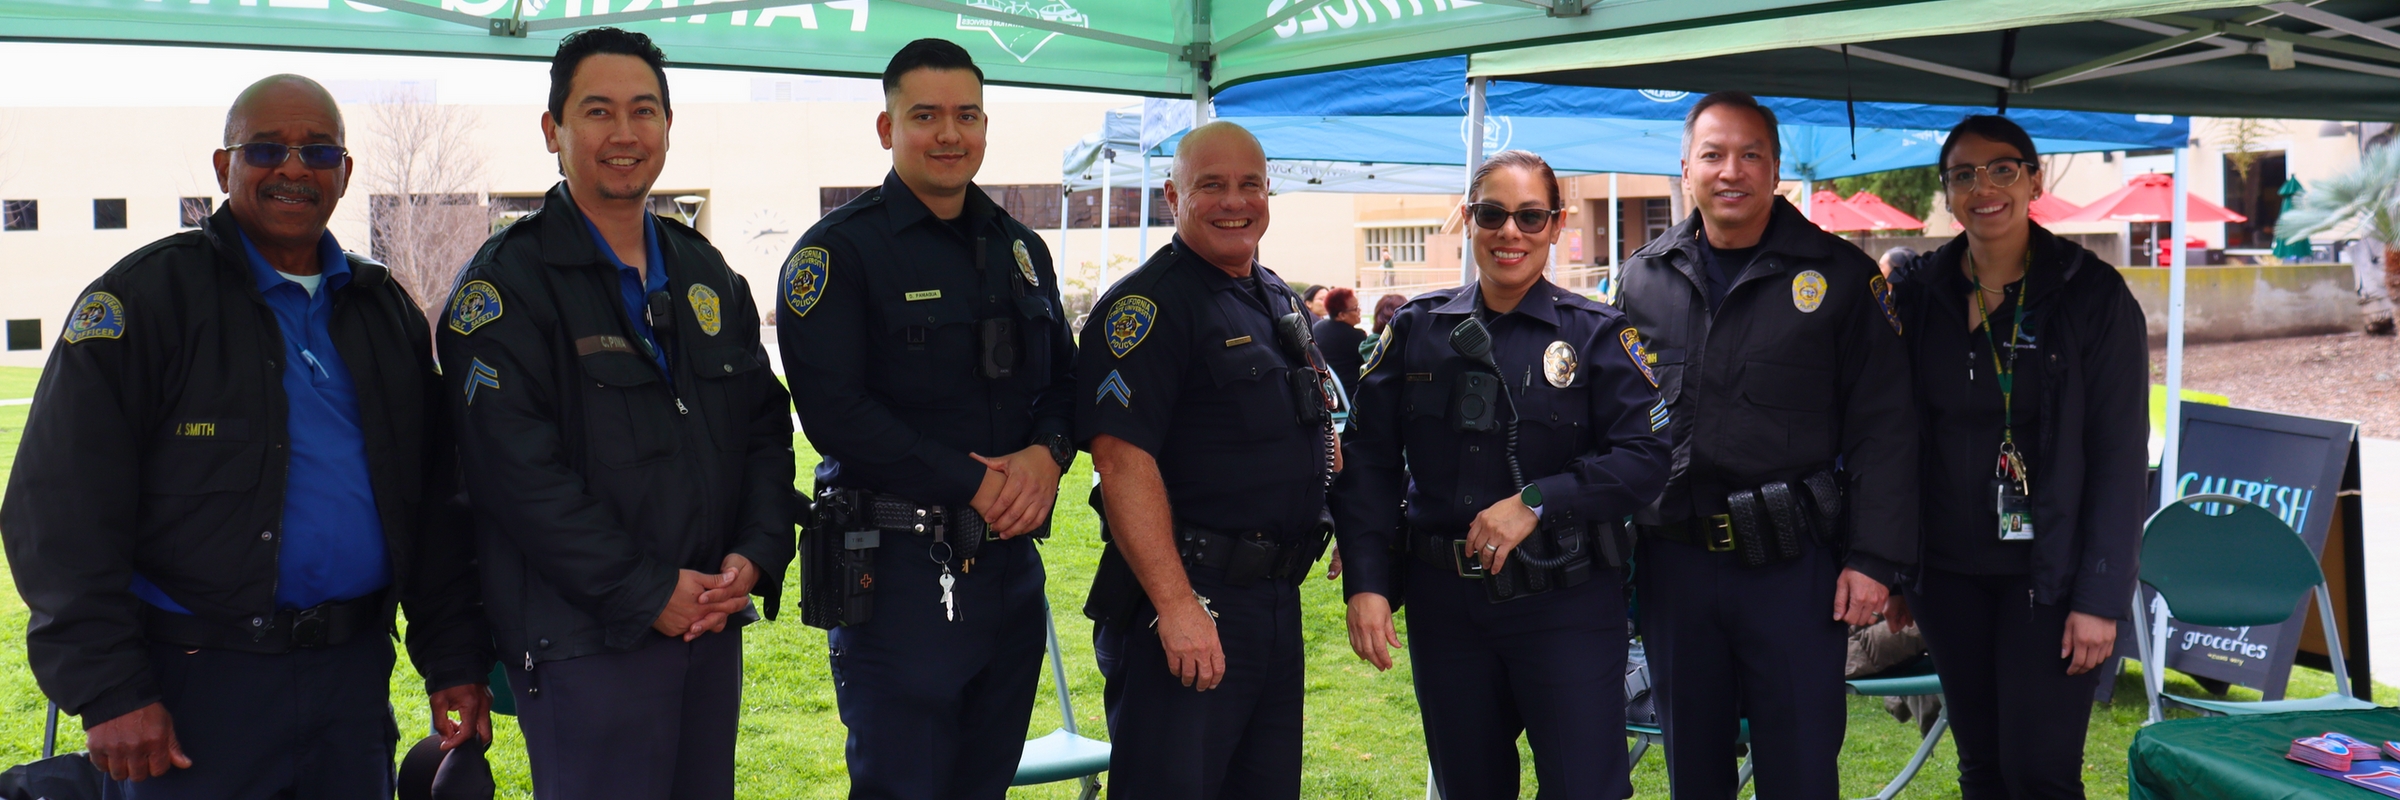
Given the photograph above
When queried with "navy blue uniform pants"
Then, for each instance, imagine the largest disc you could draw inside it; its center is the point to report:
(1239, 741)
(937, 707)
(2018, 716)
(305, 725)
(1727, 641)
(652, 723)
(1549, 666)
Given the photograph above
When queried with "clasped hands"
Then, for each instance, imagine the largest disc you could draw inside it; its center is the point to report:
(702, 601)
(1017, 491)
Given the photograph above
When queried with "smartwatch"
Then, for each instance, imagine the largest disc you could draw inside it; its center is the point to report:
(1531, 495)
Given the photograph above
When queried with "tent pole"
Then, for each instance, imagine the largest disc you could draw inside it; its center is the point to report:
(2168, 470)
(1466, 227)
(1808, 197)
(1615, 220)
(1066, 216)
(1143, 241)
(1108, 207)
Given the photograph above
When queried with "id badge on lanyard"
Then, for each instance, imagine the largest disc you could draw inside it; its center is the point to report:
(2012, 485)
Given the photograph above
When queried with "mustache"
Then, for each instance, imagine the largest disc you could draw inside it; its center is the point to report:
(293, 188)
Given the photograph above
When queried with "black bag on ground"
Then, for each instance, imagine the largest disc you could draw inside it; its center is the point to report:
(67, 777)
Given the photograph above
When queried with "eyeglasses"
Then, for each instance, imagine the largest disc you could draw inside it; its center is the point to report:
(2001, 173)
(1529, 220)
(269, 155)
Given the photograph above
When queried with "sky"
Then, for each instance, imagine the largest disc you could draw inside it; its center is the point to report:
(88, 75)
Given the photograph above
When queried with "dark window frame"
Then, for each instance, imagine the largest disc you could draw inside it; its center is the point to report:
(24, 334)
(20, 215)
(107, 210)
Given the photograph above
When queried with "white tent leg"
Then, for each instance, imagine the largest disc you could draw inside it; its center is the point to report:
(1615, 219)
(2168, 473)
(1143, 241)
(1108, 206)
(1808, 197)
(1466, 227)
(1066, 215)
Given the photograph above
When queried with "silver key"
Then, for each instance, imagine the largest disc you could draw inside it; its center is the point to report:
(949, 608)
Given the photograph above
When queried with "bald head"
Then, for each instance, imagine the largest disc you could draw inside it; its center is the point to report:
(285, 90)
(1216, 141)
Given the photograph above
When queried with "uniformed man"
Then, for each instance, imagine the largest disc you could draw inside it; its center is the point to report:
(235, 469)
(1512, 546)
(1205, 409)
(931, 368)
(1792, 503)
(628, 450)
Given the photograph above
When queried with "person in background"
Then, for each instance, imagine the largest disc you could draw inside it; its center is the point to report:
(1385, 307)
(1313, 300)
(1338, 336)
(1894, 259)
(2034, 462)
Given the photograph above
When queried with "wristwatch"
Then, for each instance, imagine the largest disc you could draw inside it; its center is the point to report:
(1061, 450)
(1531, 495)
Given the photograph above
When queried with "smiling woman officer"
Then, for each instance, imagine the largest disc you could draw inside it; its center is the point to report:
(1518, 423)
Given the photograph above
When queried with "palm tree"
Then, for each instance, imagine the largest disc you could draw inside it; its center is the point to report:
(2368, 197)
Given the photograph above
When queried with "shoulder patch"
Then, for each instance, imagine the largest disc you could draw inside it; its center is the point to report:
(98, 315)
(1375, 356)
(476, 304)
(804, 277)
(1631, 340)
(705, 305)
(1882, 290)
(1114, 386)
(1129, 320)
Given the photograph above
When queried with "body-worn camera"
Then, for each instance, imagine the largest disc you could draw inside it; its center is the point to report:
(999, 346)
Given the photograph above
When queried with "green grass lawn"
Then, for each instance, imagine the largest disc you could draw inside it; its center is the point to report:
(1363, 738)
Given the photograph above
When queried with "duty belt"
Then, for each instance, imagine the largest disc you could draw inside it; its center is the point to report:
(895, 513)
(1245, 557)
(1766, 524)
(1445, 553)
(327, 625)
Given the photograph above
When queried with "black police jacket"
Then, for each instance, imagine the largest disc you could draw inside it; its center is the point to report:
(1592, 430)
(158, 444)
(1184, 362)
(1800, 368)
(593, 480)
(2091, 467)
(883, 308)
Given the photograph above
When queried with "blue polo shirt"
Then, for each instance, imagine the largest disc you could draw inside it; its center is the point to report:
(333, 546)
(636, 289)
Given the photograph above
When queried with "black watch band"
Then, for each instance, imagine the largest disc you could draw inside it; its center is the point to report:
(1061, 450)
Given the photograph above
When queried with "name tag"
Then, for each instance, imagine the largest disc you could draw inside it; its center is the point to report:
(929, 294)
(196, 429)
(1237, 341)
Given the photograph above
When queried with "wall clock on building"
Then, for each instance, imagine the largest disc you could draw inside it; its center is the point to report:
(767, 233)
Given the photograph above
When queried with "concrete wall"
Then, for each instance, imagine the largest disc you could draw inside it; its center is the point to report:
(2227, 304)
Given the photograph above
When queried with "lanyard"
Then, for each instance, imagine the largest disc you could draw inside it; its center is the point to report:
(2011, 464)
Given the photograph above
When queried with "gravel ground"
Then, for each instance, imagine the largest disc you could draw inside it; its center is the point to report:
(2346, 376)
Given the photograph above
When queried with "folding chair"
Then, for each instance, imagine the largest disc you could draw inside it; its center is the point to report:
(2184, 557)
(1063, 754)
(1914, 679)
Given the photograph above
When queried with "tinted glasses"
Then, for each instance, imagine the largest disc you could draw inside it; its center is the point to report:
(1530, 220)
(269, 155)
(2000, 173)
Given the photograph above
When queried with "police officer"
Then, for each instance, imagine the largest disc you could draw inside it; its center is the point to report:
(932, 366)
(1505, 646)
(629, 452)
(1792, 504)
(236, 467)
(1204, 406)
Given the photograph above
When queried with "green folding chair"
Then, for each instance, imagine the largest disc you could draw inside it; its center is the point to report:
(1907, 680)
(2185, 549)
(1064, 754)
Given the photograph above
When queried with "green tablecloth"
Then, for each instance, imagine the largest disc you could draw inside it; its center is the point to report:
(2242, 757)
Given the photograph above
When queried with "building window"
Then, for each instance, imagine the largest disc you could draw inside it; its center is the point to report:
(833, 197)
(20, 215)
(108, 214)
(191, 211)
(1036, 205)
(24, 334)
(1657, 216)
(1401, 245)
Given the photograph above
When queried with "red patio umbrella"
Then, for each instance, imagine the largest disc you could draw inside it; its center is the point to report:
(2150, 198)
(1876, 209)
(1827, 210)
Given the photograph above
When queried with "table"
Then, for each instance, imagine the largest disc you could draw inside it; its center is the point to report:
(2220, 757)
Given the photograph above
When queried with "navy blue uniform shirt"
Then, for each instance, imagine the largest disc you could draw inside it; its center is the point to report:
(1181, 360)
(1592, 432)
(880, 316)
(332, 538)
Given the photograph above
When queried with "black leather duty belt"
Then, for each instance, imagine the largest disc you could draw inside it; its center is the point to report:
(1713, 533)
(288, 629)
(1447, 553)
(1244, 557)
(895, 513)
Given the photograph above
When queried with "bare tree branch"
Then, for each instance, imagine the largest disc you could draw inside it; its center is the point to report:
(424, 180)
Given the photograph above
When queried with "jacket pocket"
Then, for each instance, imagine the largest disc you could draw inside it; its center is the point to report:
(1556, 426)
(627, 409)
(1786, 387)
(1793, 411)
(724, 384)
(1251, 387)
(196, 468)
(931, 351)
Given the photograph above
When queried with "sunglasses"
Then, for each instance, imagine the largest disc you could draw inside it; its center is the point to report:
(1531, 220)
(269, 155)
(2001, 173)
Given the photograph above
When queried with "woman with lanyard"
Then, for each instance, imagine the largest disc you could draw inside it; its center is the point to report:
(2031, 372)
(1502, 540)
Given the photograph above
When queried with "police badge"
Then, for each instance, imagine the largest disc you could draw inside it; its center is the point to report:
(1025, 263)
(804, 278)
(1558, 364)
(704, 306)
(1808, 291)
